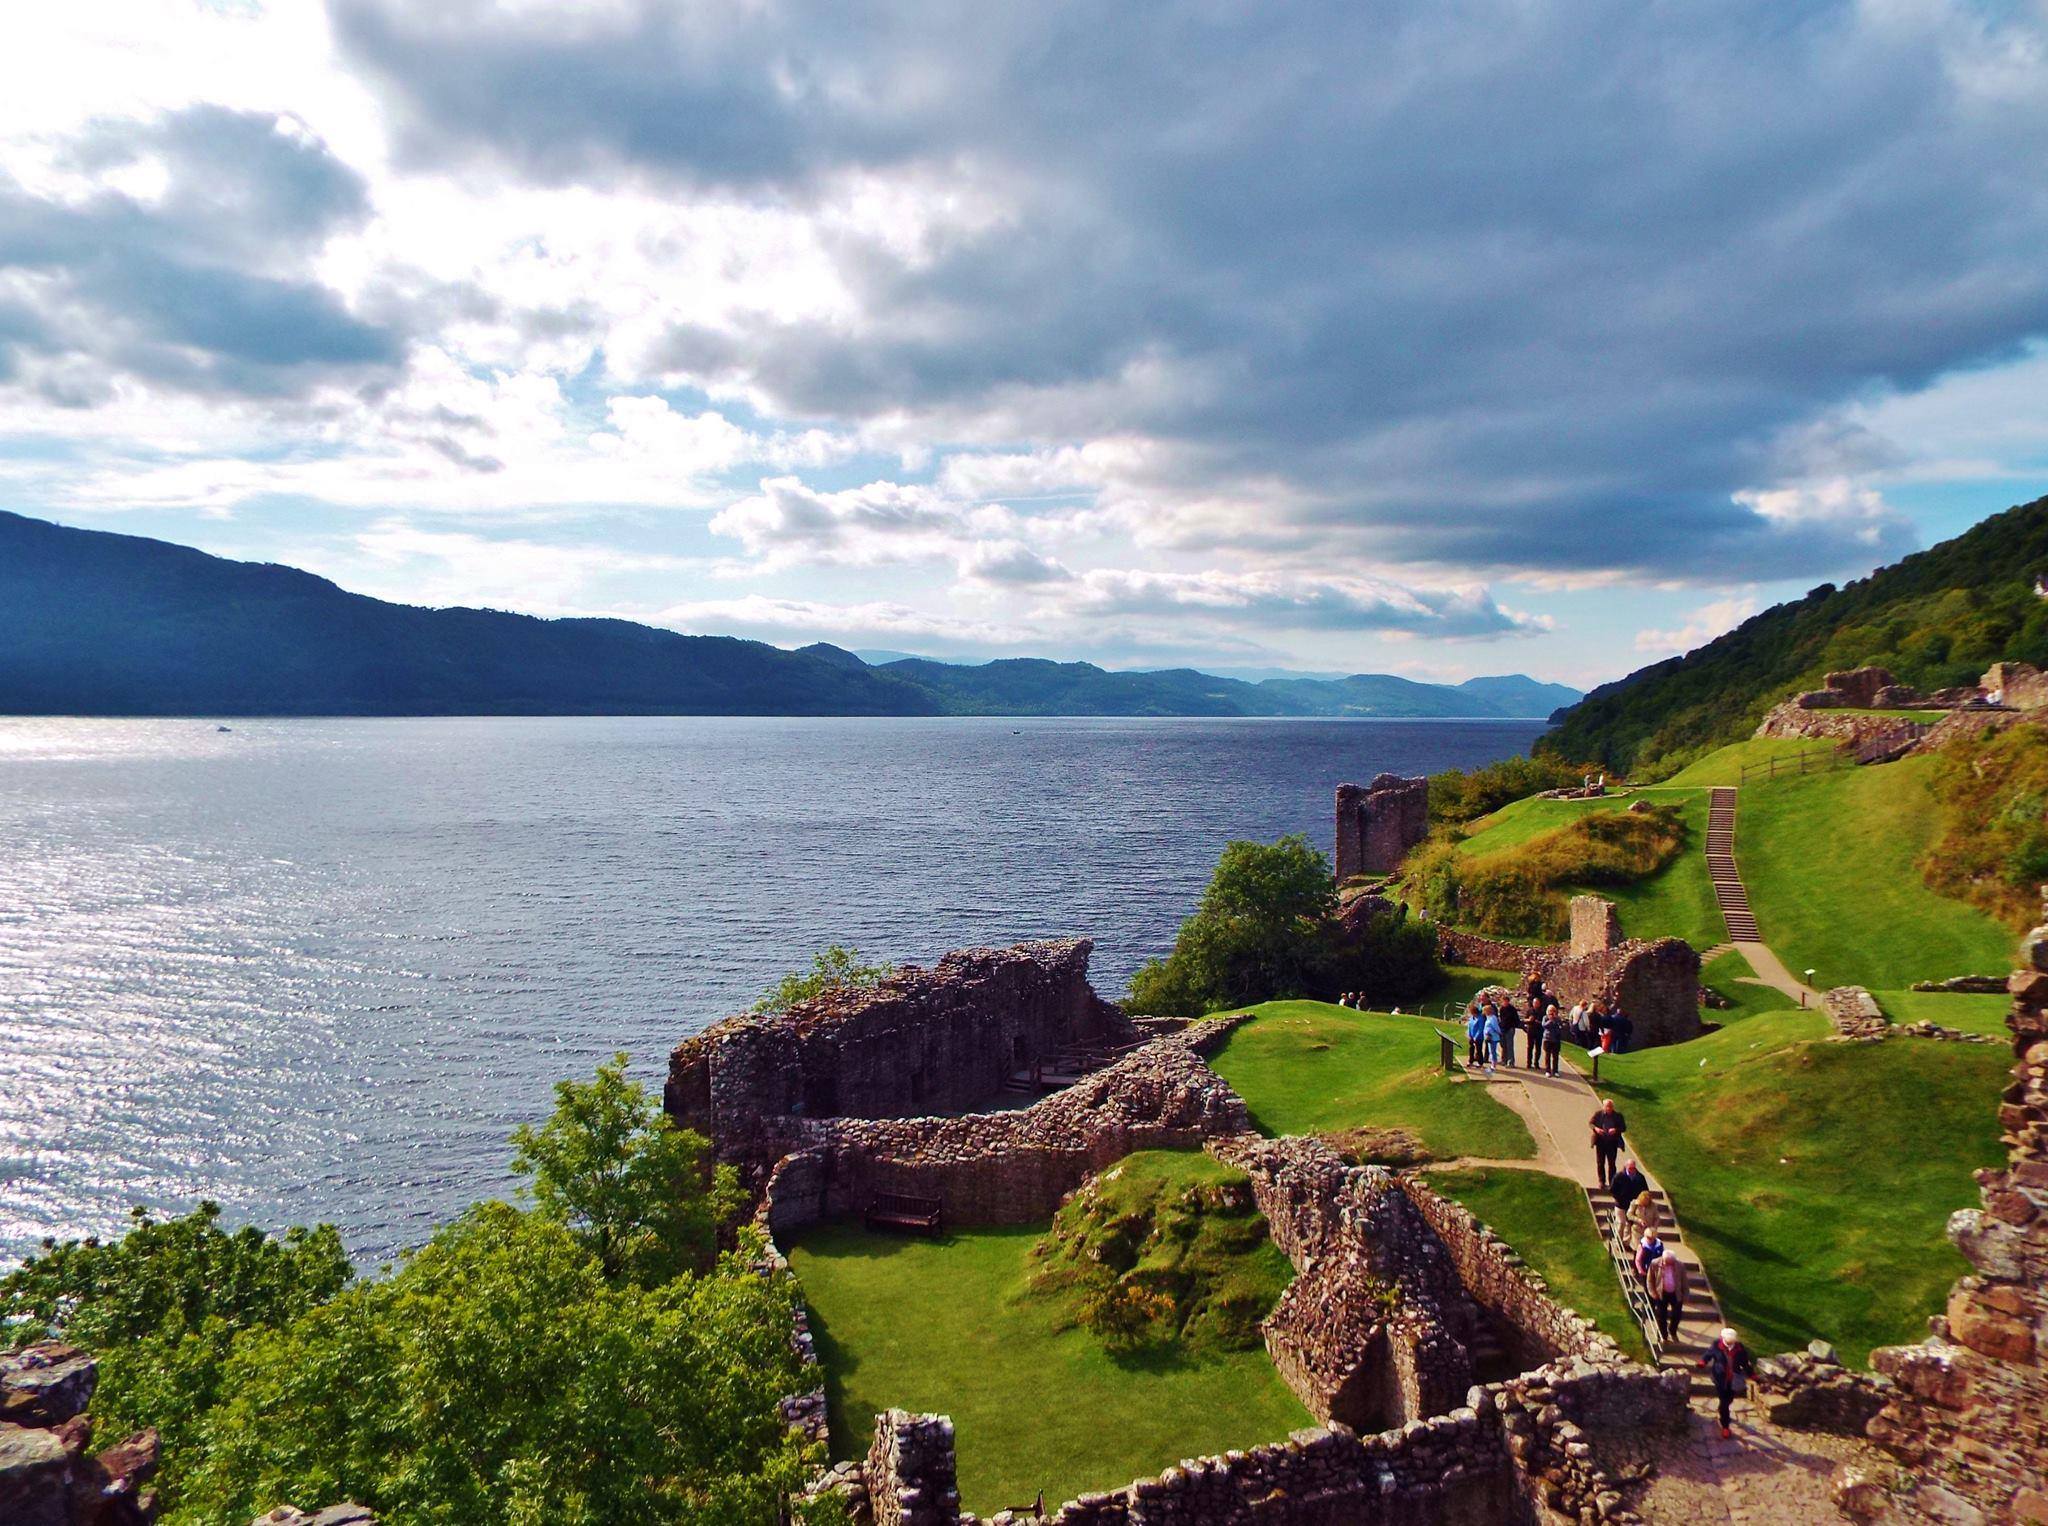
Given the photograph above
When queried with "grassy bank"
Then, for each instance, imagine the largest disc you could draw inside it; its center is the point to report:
(1546, 1220)
(1306, 1067)
(1831, 862)
(1783, 1156)
(951, 1326)
(1676, 901)
(1967, 1013)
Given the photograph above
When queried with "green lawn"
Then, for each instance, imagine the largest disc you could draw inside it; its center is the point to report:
(1816, 1178)
(1830, 861)
(947, 1326)
(1968, 1013)
(1676, 902)
(1725, 765)
(1460, 984)
(1306, 1067)
(1732, 976)
(1546, 1220)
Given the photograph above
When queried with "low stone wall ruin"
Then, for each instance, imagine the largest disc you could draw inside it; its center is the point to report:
(1655, 982)
(1858, 1018)
(922, 1042)
(1006, 1168)
(1970, 1416)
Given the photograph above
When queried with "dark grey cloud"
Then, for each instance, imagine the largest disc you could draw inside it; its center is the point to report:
(201, 287)
(1507, 284)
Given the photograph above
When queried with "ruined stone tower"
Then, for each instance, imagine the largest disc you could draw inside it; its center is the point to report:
(1378, 824)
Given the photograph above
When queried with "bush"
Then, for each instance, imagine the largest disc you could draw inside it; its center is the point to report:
(1519, 892)
(1993, 846)
(1456, 797)
(834, 969)
(590, 1360)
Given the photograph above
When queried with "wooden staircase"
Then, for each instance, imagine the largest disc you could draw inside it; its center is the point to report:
(1700, 1319)
(1728, 891)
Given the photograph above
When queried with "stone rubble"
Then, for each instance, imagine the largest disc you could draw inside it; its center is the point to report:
(47, 1477)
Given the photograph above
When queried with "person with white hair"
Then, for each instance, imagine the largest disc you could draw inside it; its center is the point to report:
(1730, 1367)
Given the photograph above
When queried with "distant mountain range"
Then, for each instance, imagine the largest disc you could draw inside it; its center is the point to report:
(93, 623)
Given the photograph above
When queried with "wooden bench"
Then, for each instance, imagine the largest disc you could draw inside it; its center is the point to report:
(897, 1210)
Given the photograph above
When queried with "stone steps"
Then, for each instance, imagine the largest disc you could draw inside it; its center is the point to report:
(1729, 893)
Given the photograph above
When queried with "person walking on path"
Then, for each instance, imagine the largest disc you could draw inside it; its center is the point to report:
(1644, 1217)
(1608, 1129)
(1491, 1029)
(1669, 1282)
(1553, 1039)
(1648, 1254)
(1532, 1036)
(1510, 1025)
(1730, 1366)
(1628, 1184)
(1475, 1032)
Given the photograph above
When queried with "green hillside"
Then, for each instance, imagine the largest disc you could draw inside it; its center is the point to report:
(1937, 618)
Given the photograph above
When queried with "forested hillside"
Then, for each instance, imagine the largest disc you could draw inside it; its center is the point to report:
(1937, 618)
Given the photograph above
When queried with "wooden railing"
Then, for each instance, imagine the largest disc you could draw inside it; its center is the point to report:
(1816, 761)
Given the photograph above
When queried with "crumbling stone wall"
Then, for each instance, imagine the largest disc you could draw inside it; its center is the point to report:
(923, 1042)
(48, 1474)
(1378, 824)
(2018, 684)
(1540, 1328)
(911, 1479)
(1655, 982)
(1596, 925)
(1971, 1418)
(1006, 1168)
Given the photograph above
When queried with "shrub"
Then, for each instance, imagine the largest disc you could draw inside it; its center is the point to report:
(1992, 850)
(1519, 892)
(835, 968)
(1456, 796)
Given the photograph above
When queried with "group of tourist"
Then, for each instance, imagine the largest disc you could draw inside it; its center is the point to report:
(1494, 1023)
(1638, 1229)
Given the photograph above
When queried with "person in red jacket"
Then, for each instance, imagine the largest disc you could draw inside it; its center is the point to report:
(1730, 1366)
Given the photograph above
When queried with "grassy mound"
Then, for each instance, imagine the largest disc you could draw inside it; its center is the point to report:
(1546, 1220)
(1833, 866)
(951, 1326)
(1732, 977)
(1992, 850)
(1518, 886)
(1785, 1158)
(1163, 1247)
(1965, 1012)
(1724, 765)
(1306, 1067)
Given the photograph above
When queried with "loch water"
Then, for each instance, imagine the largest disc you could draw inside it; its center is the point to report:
(318, 969)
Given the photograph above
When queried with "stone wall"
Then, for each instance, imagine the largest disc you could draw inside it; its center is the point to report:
(1847, 728)
(1970, 1422)
(1811, 1390)
(1596, 925)
(2018, 684)
(1656, 983)
(48, 1475)
(923, 1042)
(1379, 823)
(1540, 1328)
(910, 1474)
(1006, 1168)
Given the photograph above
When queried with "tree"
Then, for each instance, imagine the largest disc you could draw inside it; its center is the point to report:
(833, 969)
(1260, 932)
(500, 1379)
(163, 1305)
(639, 1193)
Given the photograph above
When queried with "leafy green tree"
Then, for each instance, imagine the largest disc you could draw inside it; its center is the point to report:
(500, 1379)
(831, 969)
(1261, 931)
(163, 1305)
(639, 1193)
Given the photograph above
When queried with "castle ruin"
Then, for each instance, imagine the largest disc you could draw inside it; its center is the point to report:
(1378, 824)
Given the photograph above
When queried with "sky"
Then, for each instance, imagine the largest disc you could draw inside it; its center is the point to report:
(1441, 340)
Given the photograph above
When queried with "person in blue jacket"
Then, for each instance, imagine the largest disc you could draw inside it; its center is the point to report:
(1475, 1035)
(1492, 1031)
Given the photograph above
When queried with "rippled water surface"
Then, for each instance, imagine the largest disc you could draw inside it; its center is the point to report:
(318, 969)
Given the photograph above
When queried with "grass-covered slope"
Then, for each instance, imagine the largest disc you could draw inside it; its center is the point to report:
(1832, 862)
(1531, 852)
(1936, 618)
(1815, 1177)
(1546, 1220)
(1305, 1067)
(953, 1326)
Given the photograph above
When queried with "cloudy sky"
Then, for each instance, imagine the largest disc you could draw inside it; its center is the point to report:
(1440, 339)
